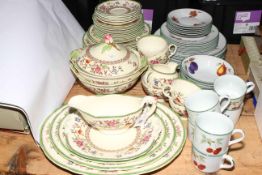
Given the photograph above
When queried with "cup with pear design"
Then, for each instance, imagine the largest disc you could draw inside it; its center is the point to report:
(236, 89)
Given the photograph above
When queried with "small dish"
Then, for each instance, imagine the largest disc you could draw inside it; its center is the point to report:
(177, 92)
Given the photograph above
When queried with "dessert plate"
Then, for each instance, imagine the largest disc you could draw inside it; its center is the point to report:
(116, 145)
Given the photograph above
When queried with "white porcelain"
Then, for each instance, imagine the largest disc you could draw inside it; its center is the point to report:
(188, 17)
(111, 112)
(205, 68)
(211, 164)
(177, 92)
(158, 76)
(213, 132)
(155, 49)
(203, 101)
(236, 89)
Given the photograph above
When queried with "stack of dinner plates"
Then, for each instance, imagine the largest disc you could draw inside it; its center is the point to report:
(122, 19)
(189, 23)
(191, 30)
(69, 142)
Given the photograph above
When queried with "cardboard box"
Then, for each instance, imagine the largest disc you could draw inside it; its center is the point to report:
(249, 50)
(13, 118)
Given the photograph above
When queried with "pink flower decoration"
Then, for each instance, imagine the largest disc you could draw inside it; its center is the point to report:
(79, 143)
(108, 39)
(111, 123)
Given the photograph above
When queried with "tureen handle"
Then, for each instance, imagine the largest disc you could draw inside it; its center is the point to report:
(149, 106)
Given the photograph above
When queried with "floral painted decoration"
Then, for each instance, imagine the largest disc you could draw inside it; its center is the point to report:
(109, 43)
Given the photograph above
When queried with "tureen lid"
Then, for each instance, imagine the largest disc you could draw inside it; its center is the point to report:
(108, 59)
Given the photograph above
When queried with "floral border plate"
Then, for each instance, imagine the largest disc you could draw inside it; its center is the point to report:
(89, 143)
(162, 154)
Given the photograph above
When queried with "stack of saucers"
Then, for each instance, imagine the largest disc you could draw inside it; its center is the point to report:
(102, 135)
(123, 19)
(204, 69)
(191, 30)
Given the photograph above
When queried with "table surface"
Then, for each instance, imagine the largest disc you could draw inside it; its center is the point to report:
(20, 155)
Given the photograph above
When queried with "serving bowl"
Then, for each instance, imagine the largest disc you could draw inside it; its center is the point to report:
(204, 69)
(115, 111)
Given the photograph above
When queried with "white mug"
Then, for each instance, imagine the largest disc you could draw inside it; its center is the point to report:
(203, 101)
(213, 132)
(210, 164)
(236, 89)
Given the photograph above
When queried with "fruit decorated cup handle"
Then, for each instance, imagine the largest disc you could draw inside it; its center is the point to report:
(226, 102)
(242, 136)
(230, 161)
(148, 108)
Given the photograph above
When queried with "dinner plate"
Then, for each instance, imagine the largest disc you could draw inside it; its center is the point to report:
(117, 145)
(167, 147)
(188, 17)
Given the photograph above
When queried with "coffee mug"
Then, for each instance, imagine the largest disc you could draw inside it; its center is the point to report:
(203, 101)
(209, 163)
(213, 132)
(235, 88)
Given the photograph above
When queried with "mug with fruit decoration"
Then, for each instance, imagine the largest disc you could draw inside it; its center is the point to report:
(211, 163)
(213, 132)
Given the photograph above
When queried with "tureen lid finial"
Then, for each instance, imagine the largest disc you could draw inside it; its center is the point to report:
(108, 39)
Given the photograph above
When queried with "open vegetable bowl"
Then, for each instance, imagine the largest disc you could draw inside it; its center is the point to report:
(203, 70)
(114, 112)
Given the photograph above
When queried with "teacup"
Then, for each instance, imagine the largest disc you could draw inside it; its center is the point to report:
(177, 92)
(155, 48)
(158, 76)
(203, 101)
(236, 89)
(209, 163)
(114, 112)
(213, 132)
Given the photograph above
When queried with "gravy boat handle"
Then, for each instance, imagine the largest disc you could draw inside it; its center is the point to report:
(149, 105)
